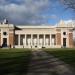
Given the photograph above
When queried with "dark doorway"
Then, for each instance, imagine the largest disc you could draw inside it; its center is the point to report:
(4, 42)
(64, 42)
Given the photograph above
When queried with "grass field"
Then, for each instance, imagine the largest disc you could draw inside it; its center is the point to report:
(14, 61)
(65, 54)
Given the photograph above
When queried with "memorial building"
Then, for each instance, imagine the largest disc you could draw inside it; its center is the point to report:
(39, 36)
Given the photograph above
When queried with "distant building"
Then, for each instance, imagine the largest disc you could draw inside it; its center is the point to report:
(60, 35)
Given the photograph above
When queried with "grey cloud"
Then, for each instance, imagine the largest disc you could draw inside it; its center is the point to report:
(27, 12)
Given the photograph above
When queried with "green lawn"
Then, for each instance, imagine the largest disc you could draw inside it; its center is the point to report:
(14, 61)
(65, 54)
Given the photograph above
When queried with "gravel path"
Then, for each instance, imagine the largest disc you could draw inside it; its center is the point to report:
(45, 64)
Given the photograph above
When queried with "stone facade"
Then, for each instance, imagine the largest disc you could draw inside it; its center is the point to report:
(37, 36)
(11, 39)
(71, 40)
(58, 38)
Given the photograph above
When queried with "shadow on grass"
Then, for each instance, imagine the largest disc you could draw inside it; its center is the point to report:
(14, 63)
(68, 56)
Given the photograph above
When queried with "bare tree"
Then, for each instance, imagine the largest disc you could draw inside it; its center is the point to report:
(69, 3)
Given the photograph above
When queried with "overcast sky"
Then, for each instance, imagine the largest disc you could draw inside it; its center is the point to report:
(34, 11)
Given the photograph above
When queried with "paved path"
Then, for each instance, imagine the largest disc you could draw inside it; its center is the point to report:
(45, 64)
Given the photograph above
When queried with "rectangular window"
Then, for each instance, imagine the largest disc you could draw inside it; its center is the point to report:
(21, 39)
(4, 42)
(64, 42)
(16, 39)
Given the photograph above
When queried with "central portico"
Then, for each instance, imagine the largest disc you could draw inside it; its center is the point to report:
(35, 37)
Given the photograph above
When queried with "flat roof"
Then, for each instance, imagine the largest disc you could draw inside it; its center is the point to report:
(36, 26)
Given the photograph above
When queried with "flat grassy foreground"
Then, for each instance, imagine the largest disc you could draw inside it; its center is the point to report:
(14, 61)
(65, 54)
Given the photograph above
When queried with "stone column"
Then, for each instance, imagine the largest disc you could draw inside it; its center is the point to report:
(19, 39)
(25, 40)
(38, 40)
(44, 40)
(50, 40)
(0, 39)
(31, 39)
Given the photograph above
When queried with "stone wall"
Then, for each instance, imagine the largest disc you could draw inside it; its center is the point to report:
(58, 38)
(11, 39)
(71, 40)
